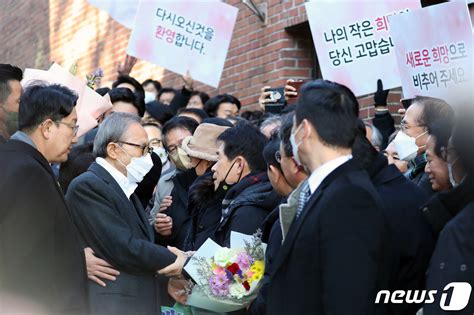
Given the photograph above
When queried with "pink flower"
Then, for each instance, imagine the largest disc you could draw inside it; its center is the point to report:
(219, 285)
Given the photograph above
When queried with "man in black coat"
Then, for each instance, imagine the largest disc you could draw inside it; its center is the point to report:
(240, 170)
(412, 241)
(333, 258)
(111, 220)
(42, 267)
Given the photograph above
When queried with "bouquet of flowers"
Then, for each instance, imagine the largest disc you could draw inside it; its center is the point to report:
(94, 79)
(227, 279)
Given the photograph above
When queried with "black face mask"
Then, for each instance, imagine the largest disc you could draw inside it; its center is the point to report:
(223, 185)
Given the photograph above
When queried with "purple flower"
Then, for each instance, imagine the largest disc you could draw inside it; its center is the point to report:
(244, 260)
(229, 275)
(219, 285)
(98, 72)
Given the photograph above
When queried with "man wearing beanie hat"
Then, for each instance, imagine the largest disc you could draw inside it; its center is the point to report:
(205, 203)
(202, 146)
(202, 151)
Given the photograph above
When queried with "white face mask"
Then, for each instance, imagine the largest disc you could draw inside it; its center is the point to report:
(452, 180)
(294, 146)
(161, 152)
(138, 168)
(149, 97)
(406, 146)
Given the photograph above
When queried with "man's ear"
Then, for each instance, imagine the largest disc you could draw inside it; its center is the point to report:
(276, 173)
(306, 129)
(112, 150)
(46, 128)
(240, 163)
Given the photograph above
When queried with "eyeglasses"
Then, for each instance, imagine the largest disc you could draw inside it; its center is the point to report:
(155, 142)
(404, 126)
(74, 127)
(144, 147)
(172, 148)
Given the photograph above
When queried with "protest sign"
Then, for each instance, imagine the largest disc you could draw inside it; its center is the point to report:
(353, 42)
(435, 60)
(184, 35)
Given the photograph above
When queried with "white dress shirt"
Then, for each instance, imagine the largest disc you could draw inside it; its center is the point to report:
(122, 180)
(318, 176)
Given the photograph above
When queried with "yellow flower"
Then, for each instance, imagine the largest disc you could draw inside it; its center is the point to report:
(257, 268)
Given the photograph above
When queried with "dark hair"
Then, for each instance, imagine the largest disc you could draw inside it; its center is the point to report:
(139, 91)
(285, 133)
(196, 111)
(157, 84)
(165, 90)
(270, 150)
(253, 116)
(218, 121)
(202, 95)
(330, 110)
(79, 160)
(123, 78)
(41, 102)
(433, 109)
(8, 73)
(212, 105)
(124, 95)
(441, 131)
(247, 141)
(103, 91)
(151, 124)
(179, 122)
(363, 151)
(160, 112)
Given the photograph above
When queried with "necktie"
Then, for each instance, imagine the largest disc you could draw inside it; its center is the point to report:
(303, 198)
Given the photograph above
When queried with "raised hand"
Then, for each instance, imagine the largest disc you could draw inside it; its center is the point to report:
(127, 66)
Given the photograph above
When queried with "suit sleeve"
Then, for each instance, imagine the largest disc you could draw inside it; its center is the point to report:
(99, 222)
(352, 233)
(146, 187)
(385, 124)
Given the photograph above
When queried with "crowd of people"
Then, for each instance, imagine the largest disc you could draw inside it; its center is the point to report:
(104, 223)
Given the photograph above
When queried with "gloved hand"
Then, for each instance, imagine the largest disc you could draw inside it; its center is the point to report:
(380, 97)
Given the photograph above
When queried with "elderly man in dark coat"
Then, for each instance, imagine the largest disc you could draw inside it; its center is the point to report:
(111, 220)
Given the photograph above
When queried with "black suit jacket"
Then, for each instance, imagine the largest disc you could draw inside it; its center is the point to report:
(116, 228)
(333, 260)
(412, 240)
(41, 261)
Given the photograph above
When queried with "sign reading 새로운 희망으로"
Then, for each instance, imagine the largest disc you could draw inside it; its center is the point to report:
(436, 59)
(184, 35)
(353, 41)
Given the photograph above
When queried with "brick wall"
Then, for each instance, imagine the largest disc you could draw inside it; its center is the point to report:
(38, 32)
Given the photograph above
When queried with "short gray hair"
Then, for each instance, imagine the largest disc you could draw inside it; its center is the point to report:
(271, 120)
(112, 129)
(377, 138)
